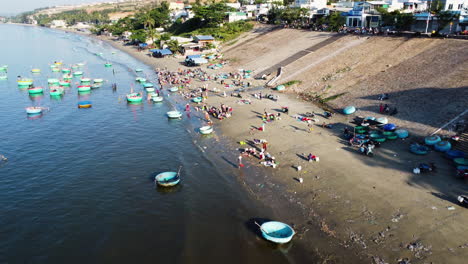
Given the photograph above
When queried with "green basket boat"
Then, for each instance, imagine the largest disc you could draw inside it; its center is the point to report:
(140, 79)
(55, 69)
(98, 80)
(84, 88)
(461, 161)
(52, 81)
(157, 99)
(96, 85)
(66, 70)
(25, 82)
(148, 85)
(85, 80)
(174, 114)
(107, 65)
(135, 97)
(3, 77)
(3, 69)
(56, 92)
(197, 99)
(35, 90)
(74, 67)
(149, 89)
(390, 135)
(174, 89)
(67, 77)
(78, 73)
(64, 83)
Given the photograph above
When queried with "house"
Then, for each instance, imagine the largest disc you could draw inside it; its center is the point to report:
(58, 24)
(190, 48)
(236, 5)
(178, 5)
(364, 14)
(195, 60)
(235, 16)
(204, 40)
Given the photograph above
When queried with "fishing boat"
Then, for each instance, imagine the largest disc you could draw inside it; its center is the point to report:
(32, 110)
(276, 232)
(67, 77)
(168, 178)
(84, 88)
(66, 70)
(84, 104)
(134, 97)
(197, 99)
(74, 67)
(174, 89)
(108, 64)
(64, 83)
(96, 85)
(148, 85)
(149, 89)
(98, 80)
(58, 63)
(138, 70)
(157, 98)
(55, 69)
(80, 64)
(78, 73)
(205, 130)
(4, 68)
(53, 81)
(35, 90)
(140, 79)
(56, 91)
(85, 80)
(25, 82)
(36, 70)
(174, 114)
(3, 77)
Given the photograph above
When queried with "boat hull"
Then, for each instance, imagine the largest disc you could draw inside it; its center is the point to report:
(167, 179)
(206, 130)
(277, 232)
(174, 114)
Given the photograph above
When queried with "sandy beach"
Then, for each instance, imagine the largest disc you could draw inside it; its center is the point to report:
(350, 207)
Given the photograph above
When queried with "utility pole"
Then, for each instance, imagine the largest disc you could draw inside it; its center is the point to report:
(428, 15)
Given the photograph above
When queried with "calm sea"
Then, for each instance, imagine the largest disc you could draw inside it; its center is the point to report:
(77, 187)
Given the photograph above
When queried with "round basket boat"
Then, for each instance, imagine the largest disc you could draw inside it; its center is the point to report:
(390, 135)
(36, 70)
(205, 130)
(157, 99)
(401, 133)
(3, 69)
(140, 79)
(361, 129)
(442, 146)
(138, 70)
(377, 137)
(389, 127)
(167, 179)
(174, 89)
(419, 149)
(3, 77)
(66, 70)
(148, 85)
(55, 69)
(96, 85)
(78, 73)
(174, 114)
(381, 121)
(149, 89)
(67, 77)
(98, 80)
(432, 140)
(85, 80)
(461, 161)
(25, 82)
(35, 90)
(277, 232)
(52, 81)
(134, 98)
(197, 99)
(85, 104)
(454, 154)
(80, 64)
(84, 88)
(56, 91)
(107, 65)
(280, 87)
(33, 110)
(349, 110)
(64, 83)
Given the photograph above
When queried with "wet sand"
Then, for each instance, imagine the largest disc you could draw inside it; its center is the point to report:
(366, 207)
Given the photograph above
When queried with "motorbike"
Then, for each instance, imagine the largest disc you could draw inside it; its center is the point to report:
(463, 200)
(366, 149)
(425, 168)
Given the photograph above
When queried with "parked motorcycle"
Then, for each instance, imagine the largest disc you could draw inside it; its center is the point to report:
(424, 168)
(463, 200)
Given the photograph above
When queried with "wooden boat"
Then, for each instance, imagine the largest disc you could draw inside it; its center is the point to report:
(134, 97)
(277, 232)
(157, 99)
(66, 70)
(174, 114)
(64, 83)
(56, 91)
(174, 89)
(108, 64)
(78, 73)
(140, 79)
(84, 104)
(36, 70)
(35, 90)
(25, 82)
(168, 178)
(205, 130)
(98, 80)
(96, 86)
(53, 81)
(32, 110)
(84, 88)
(197, 99)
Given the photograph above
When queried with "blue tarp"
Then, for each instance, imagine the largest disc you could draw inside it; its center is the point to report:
(204, 37)
(142, 45)
(193, 56)
(165, 52)
(153, 50)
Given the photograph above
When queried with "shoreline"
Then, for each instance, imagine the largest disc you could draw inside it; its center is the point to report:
(342, 199)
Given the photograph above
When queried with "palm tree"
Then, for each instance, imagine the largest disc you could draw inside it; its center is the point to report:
(148, 21)
(173, 45)
(152, 34)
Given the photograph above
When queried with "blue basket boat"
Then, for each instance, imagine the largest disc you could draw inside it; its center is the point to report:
(442, 146)
(454, 154)
(277, 232)
(167, 179)
(419, 149)
(174, 114)
(349, 110)
(432, 140)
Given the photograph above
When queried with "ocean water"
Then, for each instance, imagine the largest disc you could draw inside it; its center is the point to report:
(78, 184)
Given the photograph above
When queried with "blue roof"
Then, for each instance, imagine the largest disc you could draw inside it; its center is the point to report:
(153, 50)
(193, 56)
(161, 51)
(204, 37)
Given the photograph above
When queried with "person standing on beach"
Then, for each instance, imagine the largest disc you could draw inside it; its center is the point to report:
(264, 145)
(240, 161)
(381, 108)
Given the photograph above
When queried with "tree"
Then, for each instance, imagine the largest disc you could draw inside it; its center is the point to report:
(211, 15)
(148, 21)
(173, 45)
(444, 18)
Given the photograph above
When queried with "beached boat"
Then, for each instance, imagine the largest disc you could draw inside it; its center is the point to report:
(98, 80)
(157, 98)
(66, 70)
(277, 232)
(461, 161)
(25, 82)
(96, 85)
(419, 149)
(134, 97)
(84, 104)
(205, 130)
(454, 154)
(432, 140)
(174, 114)
(56, 91)
(401, 133)
(349, 110)
(35, 90)
(64, 83)
(84, 88)
(381, 121)
(168, 178)
(280, 87)
(108, 64)
(36, 70)
(174, 89)
(78, 73)
(53, 81)
(442, 146)
(197, 99)
(32, 110)
(140, 79)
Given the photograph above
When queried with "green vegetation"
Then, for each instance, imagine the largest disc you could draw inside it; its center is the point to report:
(292, 83)
(444, 18)
(287, 15)
(74, 16)
(330, 98)
(334, 21)
(401, 21)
